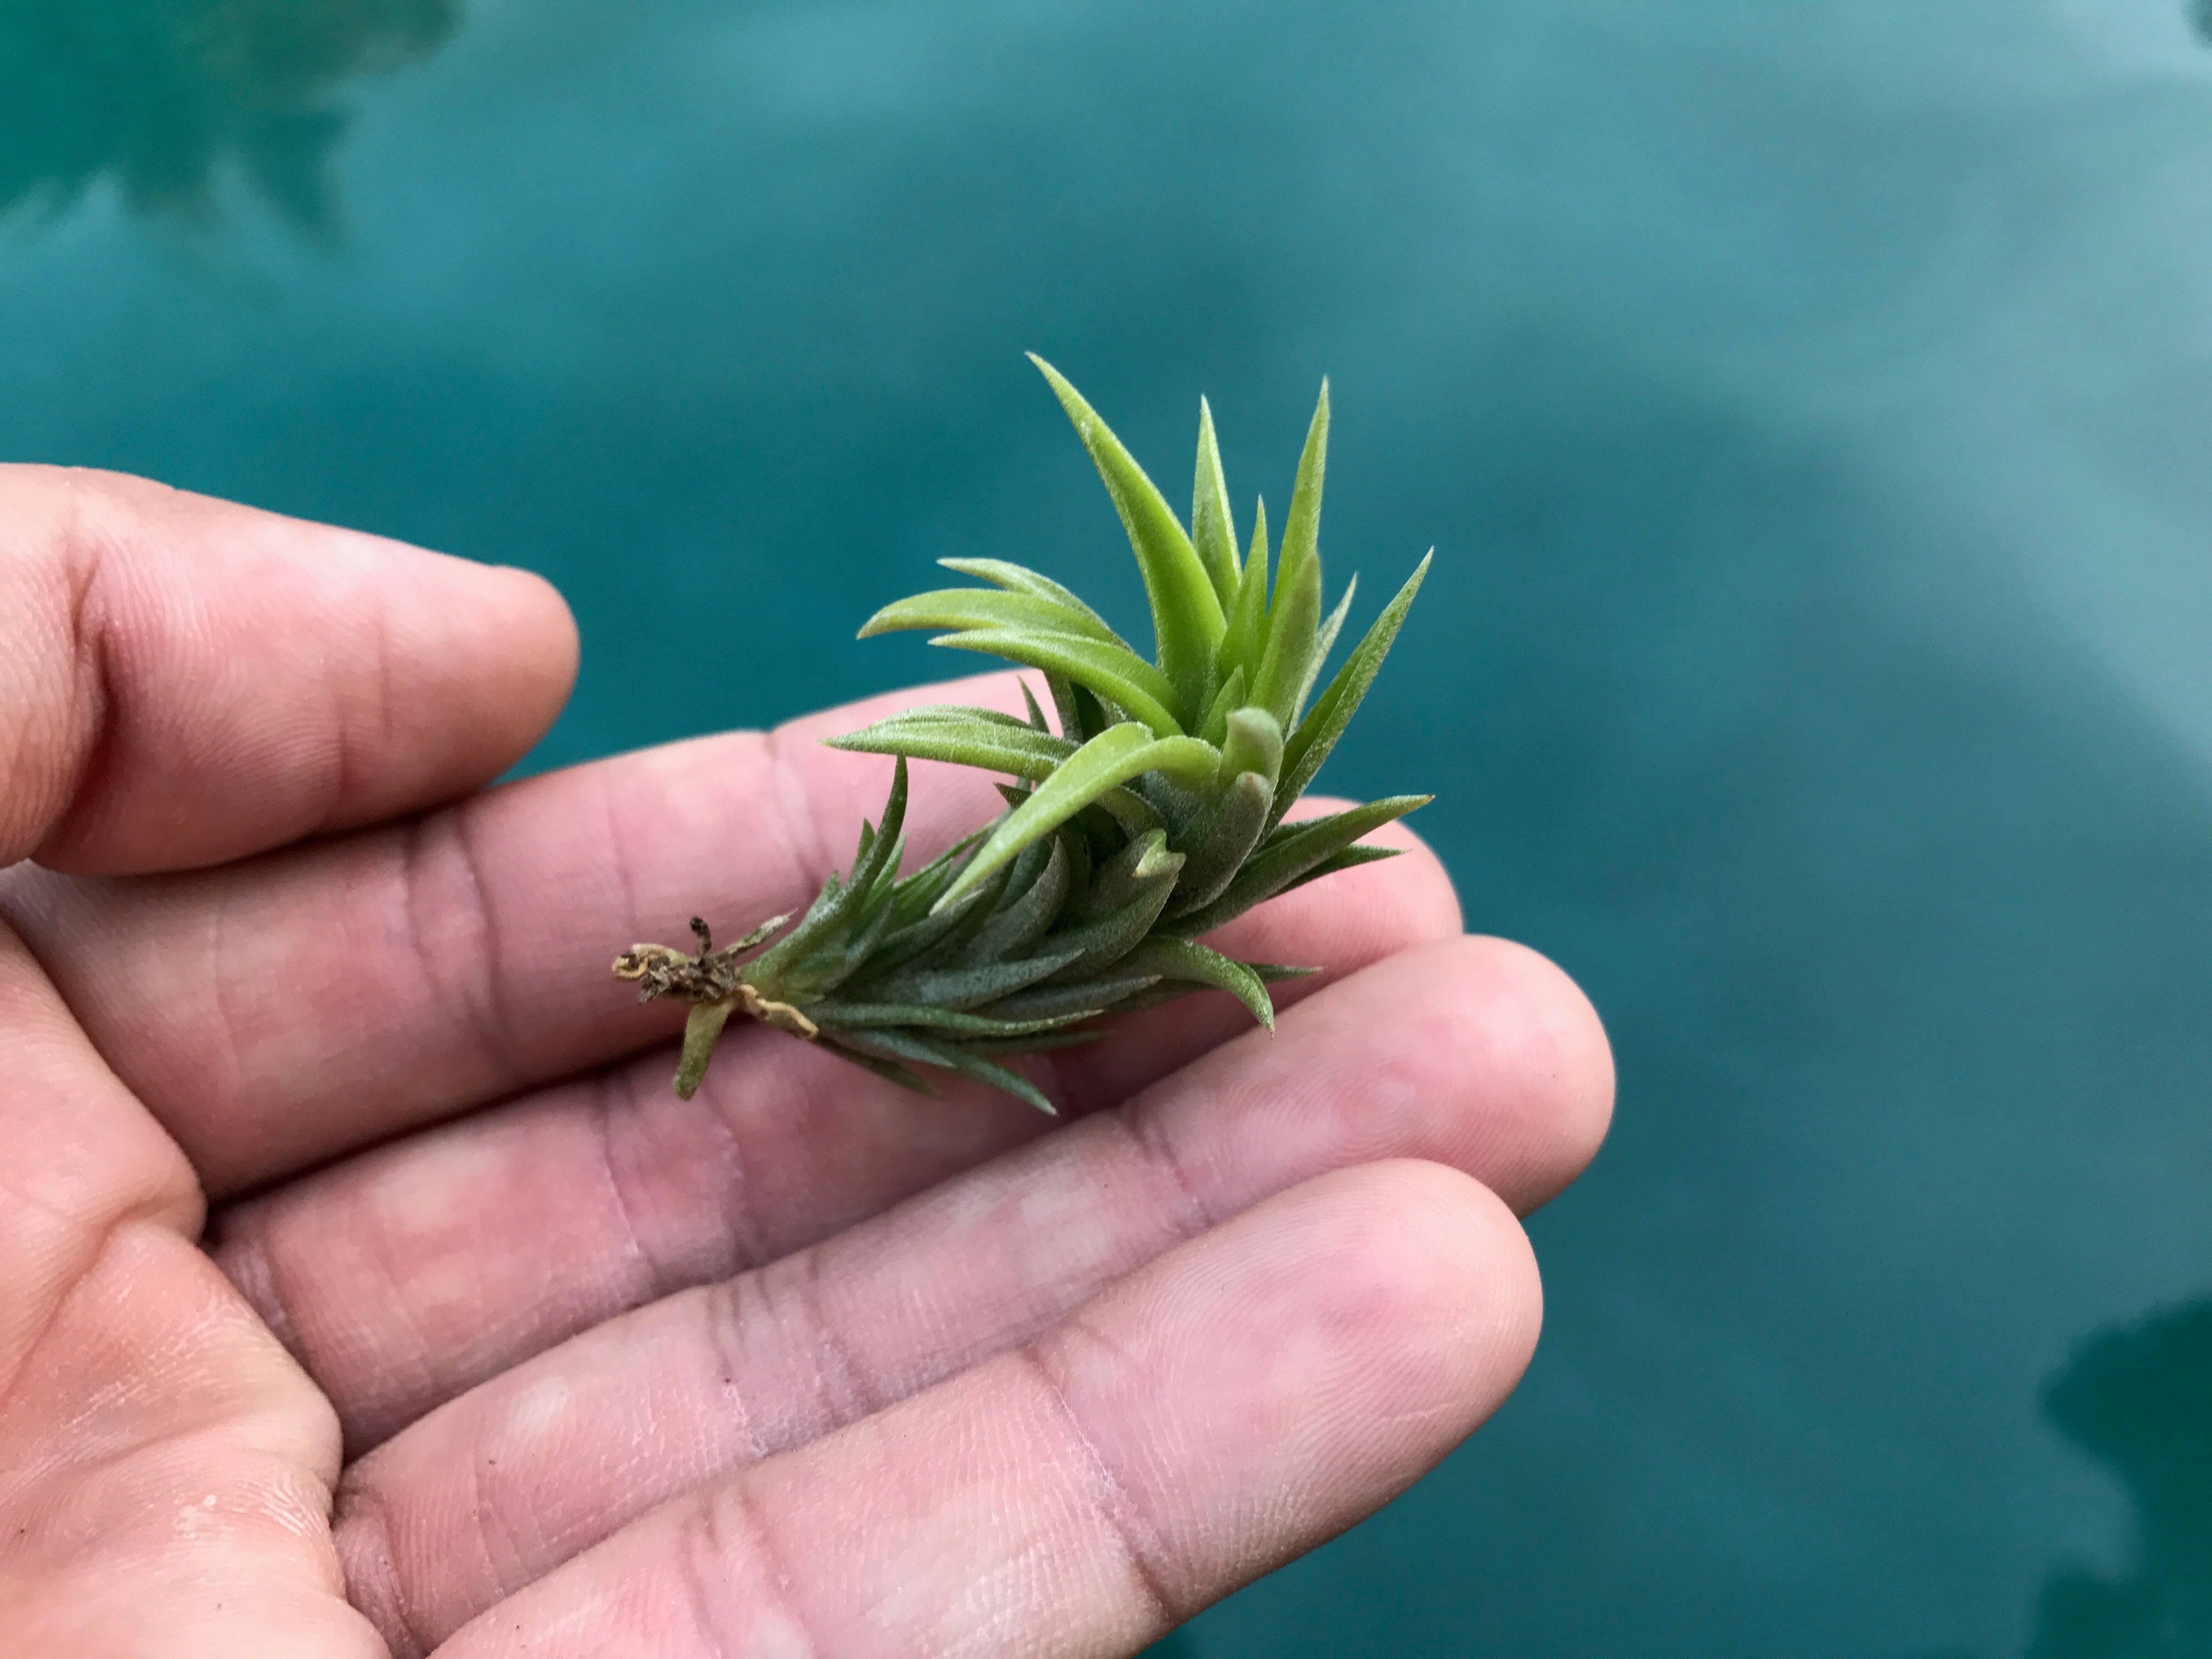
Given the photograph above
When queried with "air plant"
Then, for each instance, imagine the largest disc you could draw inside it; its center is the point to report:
(1154, 813)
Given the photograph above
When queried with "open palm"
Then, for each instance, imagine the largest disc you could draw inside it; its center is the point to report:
(494, 1346)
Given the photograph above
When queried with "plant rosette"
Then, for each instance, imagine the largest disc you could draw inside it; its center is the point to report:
(1148, 812)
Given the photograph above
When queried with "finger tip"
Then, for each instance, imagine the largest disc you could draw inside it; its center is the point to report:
(1545, 1033)
(1441, 1265)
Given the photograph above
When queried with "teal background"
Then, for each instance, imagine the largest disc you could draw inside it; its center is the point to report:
(1810, 406)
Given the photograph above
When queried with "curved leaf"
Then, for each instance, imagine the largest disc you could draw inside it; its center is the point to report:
(1294, 614)
(1246, 639)
(1332, 712)
(897, 1045)
(823, 920)
(991, 742)
(1114, 756)
(1289, 852)
(1187, 616)
(1020, 579)
(1325, 642)
(1232, 830)
(1213, 532)
(987, 607)
(1112, 671)
(1178, 958)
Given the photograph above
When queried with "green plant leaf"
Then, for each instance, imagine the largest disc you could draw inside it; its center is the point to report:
(1252, 741)
(1225, 840)
(897, 1045)
(1332, 712)
(1018, 926)
(1325, 642)
(1035, 1045)
(987, 607)
(1111, 671)
(1114, 756)
(1085, 1000)
(1186, 617)
(832, 1015)
(1037, 722)
(1180, 959)
(1019, 579)
(1245, 640)
(965, 737)
(1231, 695)
(1349, 858)
(1128, 874)
(911, 936)
(1302, 526)
(1294, 612)
(1099, 943)
(1288, 852)
(1213, 532)
(836, 910)
(918, 892)
(701, 1028)
(890, 1069)
(964, 988)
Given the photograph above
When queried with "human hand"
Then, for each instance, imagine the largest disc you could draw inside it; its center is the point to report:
(493, 1346)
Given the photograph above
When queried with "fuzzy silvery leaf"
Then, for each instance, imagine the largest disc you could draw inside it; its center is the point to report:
(1152, 815)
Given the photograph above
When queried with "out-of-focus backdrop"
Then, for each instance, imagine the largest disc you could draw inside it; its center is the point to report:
(1811, 407)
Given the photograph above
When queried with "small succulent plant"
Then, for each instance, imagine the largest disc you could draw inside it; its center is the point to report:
(1151, 817)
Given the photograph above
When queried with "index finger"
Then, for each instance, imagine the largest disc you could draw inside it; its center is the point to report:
(183, 681)
(334, 994)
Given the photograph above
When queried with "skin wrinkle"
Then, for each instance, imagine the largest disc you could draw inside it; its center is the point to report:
(723, 1316)
(1145, 1132)
(502, 1558)
(798, 813)
(419, 845)
(417, 1349)
(853, 1394)
(618, 850)
(247, 1263)
(345, 770)
(703, 1562)
(361, 1520)
(1110, 1501)
(104, 1240)
(654, 1281)
(229, 1025)
(487, 1005)
(82, 559)
(740, 1223)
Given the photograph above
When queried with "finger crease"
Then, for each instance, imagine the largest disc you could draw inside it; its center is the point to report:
(468, 976)
(740, 1224)
(655, 1282)
(383, 1597)
(94, 691)
(814, 860)
(725, 1519)
(725, 1313)
(1108, 1498)
(1193, 1215)
(844, 1381)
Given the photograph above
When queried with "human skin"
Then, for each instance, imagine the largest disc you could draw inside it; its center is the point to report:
(365, 1292)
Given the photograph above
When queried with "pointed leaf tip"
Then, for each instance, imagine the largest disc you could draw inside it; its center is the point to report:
(1212, 530)
(1187, 615)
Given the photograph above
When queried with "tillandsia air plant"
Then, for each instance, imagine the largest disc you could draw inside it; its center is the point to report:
(1151, 817)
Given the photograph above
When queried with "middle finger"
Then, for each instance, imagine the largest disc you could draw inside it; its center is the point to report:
(404, 1276)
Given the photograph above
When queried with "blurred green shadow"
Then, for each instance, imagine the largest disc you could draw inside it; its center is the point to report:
(163, 97)
(2140, 1401)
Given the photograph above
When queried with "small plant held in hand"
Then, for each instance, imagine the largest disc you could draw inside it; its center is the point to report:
(1151, 815)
